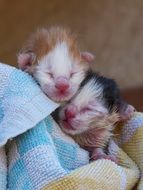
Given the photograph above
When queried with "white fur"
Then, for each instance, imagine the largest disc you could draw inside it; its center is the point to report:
(91, 91)
(59, 63)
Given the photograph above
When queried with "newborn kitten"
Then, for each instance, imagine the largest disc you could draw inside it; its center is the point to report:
(92, 113)
(53, 58)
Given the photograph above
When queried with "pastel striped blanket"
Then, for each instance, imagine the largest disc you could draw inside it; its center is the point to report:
(45, 158)
(41, 156)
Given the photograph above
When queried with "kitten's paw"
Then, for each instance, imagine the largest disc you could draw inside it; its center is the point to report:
(98, 156)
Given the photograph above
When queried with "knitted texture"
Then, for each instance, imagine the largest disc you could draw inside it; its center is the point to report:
(22, 106)
(22, 103)
(42, 155)
(45, 158)
(131, 142)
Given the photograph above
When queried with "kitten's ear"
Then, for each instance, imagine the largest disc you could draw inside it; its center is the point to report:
(126, 111)
(86, 56)
(25, 60)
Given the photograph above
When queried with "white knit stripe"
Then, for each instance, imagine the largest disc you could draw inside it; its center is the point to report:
(24, 116)
(130, 128)
(47, 165)
(82, 158)
(22, 103)
(5, 71)
(113, 149)
(123, 177)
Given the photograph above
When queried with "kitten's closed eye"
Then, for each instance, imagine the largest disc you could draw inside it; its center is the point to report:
(72, 74)
(83, 110)
(74, 71)
(50, 74)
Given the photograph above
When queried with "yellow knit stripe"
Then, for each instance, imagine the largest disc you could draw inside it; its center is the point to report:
(134, 147)
(101, 174)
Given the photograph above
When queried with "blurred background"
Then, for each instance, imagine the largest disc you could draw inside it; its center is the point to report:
(111, 29)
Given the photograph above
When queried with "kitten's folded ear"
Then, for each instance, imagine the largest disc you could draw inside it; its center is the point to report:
(25, 60)
(86, 56)
(126, 111)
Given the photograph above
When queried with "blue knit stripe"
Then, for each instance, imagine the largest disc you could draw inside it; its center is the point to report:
(49, 124)
(3, 179)
(32, 138)
(21, 84)
(18, 177)
(67, 153)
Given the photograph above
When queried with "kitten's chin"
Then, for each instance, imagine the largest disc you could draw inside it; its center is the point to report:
(70, 130)
(60, 97)
(67, 128)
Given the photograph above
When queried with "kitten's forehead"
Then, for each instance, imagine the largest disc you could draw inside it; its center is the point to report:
(89, 92)
(59, 60)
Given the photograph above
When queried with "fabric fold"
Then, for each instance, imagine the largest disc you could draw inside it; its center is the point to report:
(22, 103)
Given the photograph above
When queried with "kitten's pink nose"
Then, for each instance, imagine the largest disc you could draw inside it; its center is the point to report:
(62, 87)
(62, 84)
(71, 112)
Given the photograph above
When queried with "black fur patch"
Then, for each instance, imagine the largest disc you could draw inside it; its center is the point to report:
(111, 92)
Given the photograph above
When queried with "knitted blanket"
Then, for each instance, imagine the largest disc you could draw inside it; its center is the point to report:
(43, 157)
(22, 106)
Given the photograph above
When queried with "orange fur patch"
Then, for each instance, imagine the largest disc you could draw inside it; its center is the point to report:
(44, 40)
